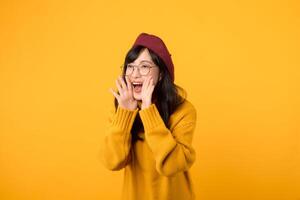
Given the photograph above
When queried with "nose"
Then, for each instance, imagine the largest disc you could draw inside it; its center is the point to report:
(136, 72)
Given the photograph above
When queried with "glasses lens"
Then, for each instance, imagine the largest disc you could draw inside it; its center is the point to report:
(144, 69)
(129, 69)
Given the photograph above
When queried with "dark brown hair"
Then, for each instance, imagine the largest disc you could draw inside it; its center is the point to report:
(165, 95)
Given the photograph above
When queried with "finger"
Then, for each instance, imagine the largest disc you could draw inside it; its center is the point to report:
(150, 92)
(122, 83)
(114, 93)
(146, 83)
(119, 87)
(150, 87)
(149, 81)
(119, 82)
(128, 83)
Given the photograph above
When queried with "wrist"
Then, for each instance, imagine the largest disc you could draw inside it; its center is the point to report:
(145, 105)
(131, 108)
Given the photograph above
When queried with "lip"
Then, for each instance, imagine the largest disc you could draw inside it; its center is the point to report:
(136, 82)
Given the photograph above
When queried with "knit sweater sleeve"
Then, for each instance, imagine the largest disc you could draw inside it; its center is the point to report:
(173, 151)
(115, 147)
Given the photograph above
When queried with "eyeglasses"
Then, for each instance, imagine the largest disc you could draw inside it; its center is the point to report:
(143, 68)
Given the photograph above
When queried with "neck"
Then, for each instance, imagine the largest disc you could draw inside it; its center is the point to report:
(139, 104)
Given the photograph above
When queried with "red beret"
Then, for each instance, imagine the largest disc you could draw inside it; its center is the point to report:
(157, 45)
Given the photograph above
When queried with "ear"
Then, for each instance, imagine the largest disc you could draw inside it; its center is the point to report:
(160, 76)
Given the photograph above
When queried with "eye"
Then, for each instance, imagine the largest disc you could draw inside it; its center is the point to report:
(129, 66)
(145, 66)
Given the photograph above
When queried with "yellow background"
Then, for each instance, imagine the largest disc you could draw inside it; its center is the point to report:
(238, 61)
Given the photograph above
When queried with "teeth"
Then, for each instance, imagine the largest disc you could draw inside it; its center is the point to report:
(137, 84)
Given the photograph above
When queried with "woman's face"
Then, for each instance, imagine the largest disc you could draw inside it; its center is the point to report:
(144, 60)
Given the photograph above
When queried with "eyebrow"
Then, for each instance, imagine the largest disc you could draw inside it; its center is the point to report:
(146, 61)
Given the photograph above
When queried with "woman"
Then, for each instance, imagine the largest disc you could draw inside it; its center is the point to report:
(151, 129)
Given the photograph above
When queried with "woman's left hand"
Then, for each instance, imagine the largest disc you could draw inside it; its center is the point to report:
(147, 90)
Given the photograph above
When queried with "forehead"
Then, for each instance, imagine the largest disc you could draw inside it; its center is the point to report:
(144, 56)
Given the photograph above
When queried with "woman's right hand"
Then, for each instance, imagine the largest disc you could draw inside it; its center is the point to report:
(125, 98)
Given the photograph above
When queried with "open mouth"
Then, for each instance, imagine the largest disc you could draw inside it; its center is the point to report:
(137, 84)
(137, 87)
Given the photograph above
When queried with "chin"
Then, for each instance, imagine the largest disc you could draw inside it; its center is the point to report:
(137, 97)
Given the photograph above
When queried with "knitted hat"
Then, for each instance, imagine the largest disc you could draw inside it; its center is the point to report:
(156, 44)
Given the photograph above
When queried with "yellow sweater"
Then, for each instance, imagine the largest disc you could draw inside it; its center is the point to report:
(156, 167)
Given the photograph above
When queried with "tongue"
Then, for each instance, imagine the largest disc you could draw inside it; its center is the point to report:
(137, 89)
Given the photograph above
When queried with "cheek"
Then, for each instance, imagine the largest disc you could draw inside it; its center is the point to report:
(155, 78)
(137, 96)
